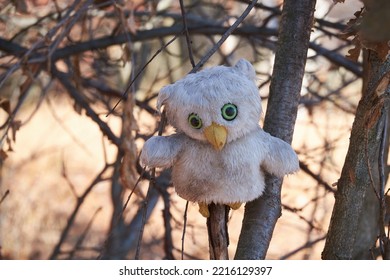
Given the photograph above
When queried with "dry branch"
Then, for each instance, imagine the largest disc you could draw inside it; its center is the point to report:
(72, 217)
(65, 80)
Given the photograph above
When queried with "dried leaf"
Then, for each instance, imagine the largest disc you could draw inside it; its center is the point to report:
(29, 71)
(353, 54)
(9, 143)
(77, 108)
(5, 105)
(20, 6)
(15, 126)
(367, 29)
(375, 22)
(352, 24)
(381, 48)
(3, 155)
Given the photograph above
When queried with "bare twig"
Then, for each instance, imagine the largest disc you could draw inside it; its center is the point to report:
(304, 246)
(80, 200)
(4, 196)
(228, 32)
(144, 215)
(143, 35)
(126, 92)
(184, 230)
(66, 82)
(187, 34)
(318, 178)
(82, 237)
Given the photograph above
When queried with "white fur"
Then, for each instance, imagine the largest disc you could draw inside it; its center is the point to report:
(200, 173)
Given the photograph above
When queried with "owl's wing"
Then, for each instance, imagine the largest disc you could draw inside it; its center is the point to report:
(161, 151)
(280, 158)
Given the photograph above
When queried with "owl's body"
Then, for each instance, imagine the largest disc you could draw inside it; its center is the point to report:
(219, 152)
(236, 175)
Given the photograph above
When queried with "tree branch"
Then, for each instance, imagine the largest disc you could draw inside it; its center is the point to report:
(177, 29)
(66, 82)
(72, 217)
(262, 214)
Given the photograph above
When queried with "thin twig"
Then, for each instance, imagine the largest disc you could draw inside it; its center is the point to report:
(304, 246)
(80, 200)
(143, 35)
(304, 167)
(224, 37)
(64, 174)
(120, 214)
(82, 237)
(4, 196)
(81, 100)
(126, 92)
(184, 230)
(152, 184)
(188, 39)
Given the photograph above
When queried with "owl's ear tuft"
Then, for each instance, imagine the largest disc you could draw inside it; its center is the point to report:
(163, 97)
(246, 68)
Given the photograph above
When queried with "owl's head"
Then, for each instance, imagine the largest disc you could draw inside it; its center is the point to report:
(219, 104)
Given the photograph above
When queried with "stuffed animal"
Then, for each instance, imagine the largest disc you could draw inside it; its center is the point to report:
(219, 152)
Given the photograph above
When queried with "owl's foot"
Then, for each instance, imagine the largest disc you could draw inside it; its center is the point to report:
(235, 205)
(204, 209)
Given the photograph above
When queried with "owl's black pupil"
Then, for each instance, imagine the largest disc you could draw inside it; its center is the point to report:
(195, 122)
(230, 111)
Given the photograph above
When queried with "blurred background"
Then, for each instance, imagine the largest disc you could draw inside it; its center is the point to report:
(71, 186)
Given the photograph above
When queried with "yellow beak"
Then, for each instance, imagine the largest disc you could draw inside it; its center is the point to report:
(216, 134)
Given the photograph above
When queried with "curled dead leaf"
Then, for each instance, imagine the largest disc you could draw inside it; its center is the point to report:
(353, 54)
(367, 29)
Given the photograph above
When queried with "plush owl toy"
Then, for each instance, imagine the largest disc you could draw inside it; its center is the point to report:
(219, 152)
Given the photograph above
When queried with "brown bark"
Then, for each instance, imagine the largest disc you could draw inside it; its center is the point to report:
(355, 222)
(290, 59)
(218, 232)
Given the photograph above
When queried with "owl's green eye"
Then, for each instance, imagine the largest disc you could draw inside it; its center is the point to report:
(195, 121)
(229, 111)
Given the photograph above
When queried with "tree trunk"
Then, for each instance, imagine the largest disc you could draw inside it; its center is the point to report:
(355, 221)
(290, 59)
